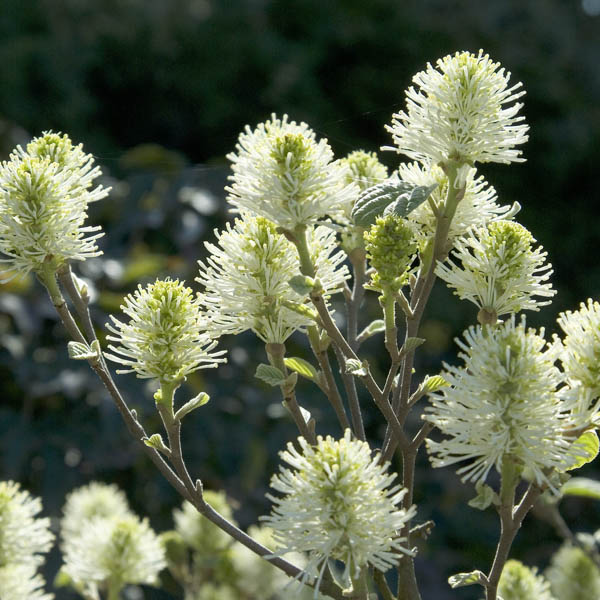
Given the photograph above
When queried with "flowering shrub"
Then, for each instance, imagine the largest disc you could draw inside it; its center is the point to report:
(518, 415)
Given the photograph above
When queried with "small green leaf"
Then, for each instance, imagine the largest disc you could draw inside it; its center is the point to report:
(302, 284)
(582, 486)
(269, 374)
(196, 402)
(433, 384)
(290, 382)
(155, 441)
(485, 496)
(301, 366)
(371, 329)
(398, 197)
(80, 351)
(584, 449)
(412, 343)
(356, 367)
(463, 579)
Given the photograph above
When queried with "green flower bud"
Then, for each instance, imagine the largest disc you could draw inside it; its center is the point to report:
(519, 582)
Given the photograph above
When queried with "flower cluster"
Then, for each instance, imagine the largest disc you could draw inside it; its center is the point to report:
(166, 336)
(282, 173)
(105, 551)
(44, 195)
(464, 111)
(337, 503)
(502, 403)
(500, 272)
(246, 278)
(24, 538)
(519, 582)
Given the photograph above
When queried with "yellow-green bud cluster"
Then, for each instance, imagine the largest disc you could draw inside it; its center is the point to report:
(519, 582)
(365, 169)
(391, 246)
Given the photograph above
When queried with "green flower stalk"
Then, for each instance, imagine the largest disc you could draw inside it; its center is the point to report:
(519, 582)
(282, 173)
(502, 405)
(462, 110)
(500, 271)
(246, 278)
(166, 337)
(338, 502)
(391, 247)
(44, 194)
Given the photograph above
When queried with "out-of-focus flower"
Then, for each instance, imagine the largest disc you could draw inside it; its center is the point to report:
(338, 503)
(282, 173)
(499, 270)
(19, 581)
(502, 404)
(89, 502)
(519, 582)
(573, 574)
(166, 335)
(246, 278)
(113, 553)
(44, 194)
(24, 536)
(462, 110)
(477, 208)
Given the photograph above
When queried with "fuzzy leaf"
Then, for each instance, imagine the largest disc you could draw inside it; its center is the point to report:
(582, 486)
(463, 579)
(372, 328)
(155, 441)
(301, 366)
(485, 496)
(196, 402)
(433, 384)
(302, 284)
(356, 367)
(398, 197)
(585, 449)
(412, 343)
(269, 374)
(80, 351)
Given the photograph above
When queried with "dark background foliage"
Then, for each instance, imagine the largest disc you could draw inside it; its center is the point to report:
(158, 91)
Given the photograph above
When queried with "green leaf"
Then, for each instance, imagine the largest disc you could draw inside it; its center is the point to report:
(485, 496)
(302, 284)
(269, 374)
(80, 351)
(412, 343)
(582, 486)
(584, 449)
(155, 441)
(196, 402)
(301, 366)
(433, 384)
(356, 367)
(397, 197)
(372, 328)
(463, 579)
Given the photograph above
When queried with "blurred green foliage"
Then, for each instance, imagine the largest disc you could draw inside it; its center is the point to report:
(158, 90)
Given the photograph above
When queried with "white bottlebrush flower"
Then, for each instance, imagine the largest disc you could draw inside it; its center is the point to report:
(24, 536)
(498, 270)
(462, 110)
(95, 500)
(478, 207)
(519, 582)
(21, 582)
(165, 337)
(246, 278)
(282, 173)
(502, 404)
(44, 194)
(338, 502)
(114, 552)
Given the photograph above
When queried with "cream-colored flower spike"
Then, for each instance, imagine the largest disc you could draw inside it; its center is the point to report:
(19, 581)
(165, 337)
(44, 194)
(498, 270)
(338, 501)
(502, 404)
(282, 173)
(461, 110)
